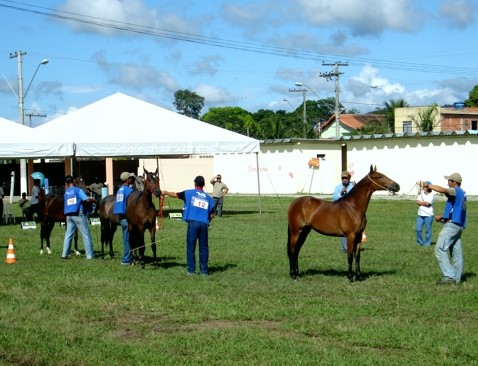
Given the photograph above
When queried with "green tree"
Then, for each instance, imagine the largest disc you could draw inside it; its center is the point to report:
(188, 103)
(425, 119)
(472, 101)
(232, 118)
(276, 124)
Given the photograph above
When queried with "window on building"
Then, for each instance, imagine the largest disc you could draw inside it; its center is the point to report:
(407, 126)
(474, 125)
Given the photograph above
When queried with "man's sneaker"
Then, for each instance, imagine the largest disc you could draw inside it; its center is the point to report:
(191, 273)
(446, 281)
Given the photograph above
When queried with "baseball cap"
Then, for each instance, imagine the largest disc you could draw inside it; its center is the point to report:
(427, 182)
(455, 177)
(68, 179)
(199, 181)
(126, 175)
(345, 174)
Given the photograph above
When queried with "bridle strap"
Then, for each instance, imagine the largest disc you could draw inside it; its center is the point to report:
(384, 188)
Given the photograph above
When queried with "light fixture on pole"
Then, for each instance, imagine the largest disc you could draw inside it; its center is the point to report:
(21, 111)
(298, 83)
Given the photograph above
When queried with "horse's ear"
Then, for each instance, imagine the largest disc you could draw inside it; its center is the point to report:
(145, 172)
(156, 171)
(371, 168)
(375, 168)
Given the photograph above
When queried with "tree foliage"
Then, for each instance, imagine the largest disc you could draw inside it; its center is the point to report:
(188, 103)
(472, 100)
(425, 119)
(232, 118)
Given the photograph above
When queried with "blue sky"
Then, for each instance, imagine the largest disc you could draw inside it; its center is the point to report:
(236, 53)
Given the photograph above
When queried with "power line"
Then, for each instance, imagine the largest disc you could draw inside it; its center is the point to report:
(230, 44)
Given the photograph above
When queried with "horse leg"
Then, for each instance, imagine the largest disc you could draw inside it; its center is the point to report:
(152, 232)
(45, 233)
(104, 232)
(358, 273)
(295, 240)
(77, 252)
(112, 231)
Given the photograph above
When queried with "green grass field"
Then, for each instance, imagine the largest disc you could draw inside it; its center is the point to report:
(248, 311)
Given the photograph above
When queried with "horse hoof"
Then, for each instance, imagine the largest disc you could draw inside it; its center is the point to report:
(41, 251)
(48, 250)
(360, 278)
(77, 252)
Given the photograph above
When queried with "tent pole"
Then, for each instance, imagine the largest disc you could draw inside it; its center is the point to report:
(258, 182)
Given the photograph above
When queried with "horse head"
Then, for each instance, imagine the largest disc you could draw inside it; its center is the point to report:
(151, 182)
(381, 181)
(80, 183)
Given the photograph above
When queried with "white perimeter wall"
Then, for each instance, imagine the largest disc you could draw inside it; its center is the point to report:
(284, 169)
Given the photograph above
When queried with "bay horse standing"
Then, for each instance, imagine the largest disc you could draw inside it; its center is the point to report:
(109, 221)
(141, 215)
(344, 217)
(51, 210)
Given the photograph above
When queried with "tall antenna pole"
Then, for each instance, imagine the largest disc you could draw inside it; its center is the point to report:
(304, 115)
(328, 76)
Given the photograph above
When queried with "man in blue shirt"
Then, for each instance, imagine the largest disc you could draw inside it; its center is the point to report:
(198, 213)
(449, 239)
(74, 211)
(340, 191)
(120, 209)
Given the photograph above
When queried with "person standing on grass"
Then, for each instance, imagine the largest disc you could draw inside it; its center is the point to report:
(75, 213)
(454, 221)
(340, 191)
(219, 190)
(120, 209)
(2, 196)
(425, 214)
(34, 197)
(198, 213)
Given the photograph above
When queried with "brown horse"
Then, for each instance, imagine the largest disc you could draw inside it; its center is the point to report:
(141, 215)
(109, 221)
(344, 217)
(51, 210)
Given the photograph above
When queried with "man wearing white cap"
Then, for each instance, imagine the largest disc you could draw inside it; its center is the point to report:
(449, 239)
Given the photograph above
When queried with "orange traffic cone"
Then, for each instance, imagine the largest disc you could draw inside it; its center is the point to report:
(364, 237)
(10, 253)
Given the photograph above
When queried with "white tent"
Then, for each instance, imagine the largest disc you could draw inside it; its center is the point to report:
(18, 141)
(120, 125)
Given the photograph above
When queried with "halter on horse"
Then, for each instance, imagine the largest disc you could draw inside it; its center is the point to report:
(141, 215)
(344, 217)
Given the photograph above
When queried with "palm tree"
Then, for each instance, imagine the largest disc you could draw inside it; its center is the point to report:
(389, 111)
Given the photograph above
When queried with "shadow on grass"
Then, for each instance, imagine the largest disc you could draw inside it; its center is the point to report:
(216, 269)
(467, 275)
(344, 273)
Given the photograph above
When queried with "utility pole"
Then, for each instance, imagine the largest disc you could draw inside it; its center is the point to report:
(30, 115)
(328, 76)
(21, 117)
(304, 117)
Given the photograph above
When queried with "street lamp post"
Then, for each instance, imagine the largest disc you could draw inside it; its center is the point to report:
(304, 91)
(21, 110)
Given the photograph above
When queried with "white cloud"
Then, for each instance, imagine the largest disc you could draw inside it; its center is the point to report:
(213, 94)
(367, 17)
(458, 13)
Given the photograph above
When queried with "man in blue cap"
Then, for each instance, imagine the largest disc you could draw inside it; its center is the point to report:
(449, 239)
